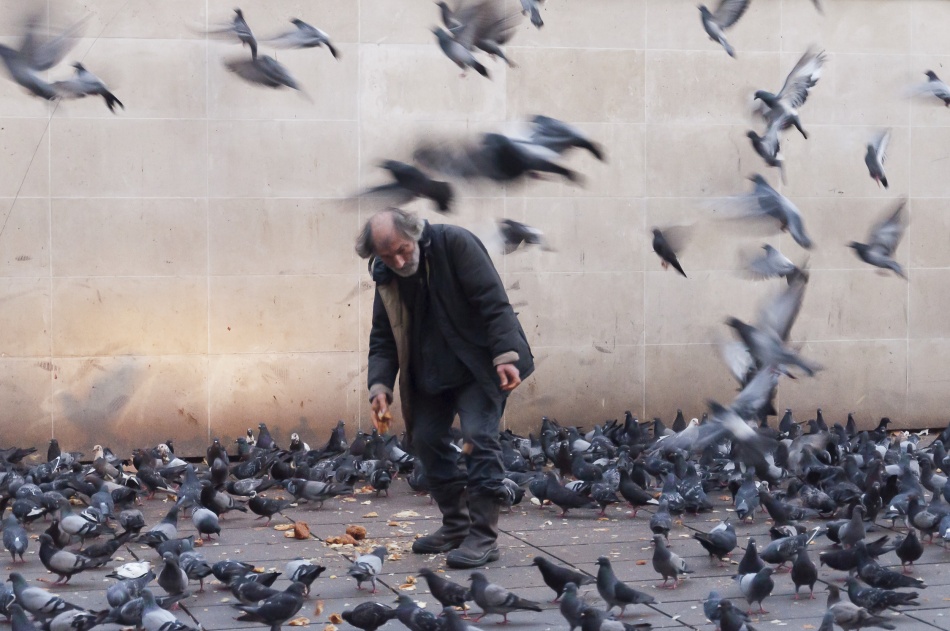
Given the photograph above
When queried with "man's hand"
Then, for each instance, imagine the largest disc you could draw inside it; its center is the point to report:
(509, 376)
(381, 414)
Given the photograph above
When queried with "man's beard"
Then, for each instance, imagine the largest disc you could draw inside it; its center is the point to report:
(412, 266)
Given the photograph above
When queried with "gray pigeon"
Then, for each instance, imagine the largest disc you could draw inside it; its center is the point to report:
(572, 606)
(756, 587)
(727, 13)
(495, 599)
(781, 110)
(848, 616)
(263, 70)
(769, 148)
(369, 616)
(765, 201)
(668, 564)
(514, 233)
(616, 593)
(596, 620)
(36, 600)
(63, 563)
(457, 53)
(38, 53)
(154, 618)
(876, 155)
(559, 136)
(304, 36)
(557, 577)
(172, 578)
(302, 571)
(936, 87)
(84, 83)
(239, 29)
(853, 531)
(883, 240)
(532, 8)
(718, 542)
(18, 619)
(666, 248)
(15, 539)
(275, 610)
(206, 522)
(367, 566)
(448, 593)
(772, 264)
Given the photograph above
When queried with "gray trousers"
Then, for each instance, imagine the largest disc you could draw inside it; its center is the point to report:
(479, 415)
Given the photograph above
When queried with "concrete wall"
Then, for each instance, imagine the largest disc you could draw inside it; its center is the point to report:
(185, 268)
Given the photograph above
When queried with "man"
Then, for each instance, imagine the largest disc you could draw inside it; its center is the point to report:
(442, 321)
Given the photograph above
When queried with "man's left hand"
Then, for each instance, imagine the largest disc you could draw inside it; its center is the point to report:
(509, 376)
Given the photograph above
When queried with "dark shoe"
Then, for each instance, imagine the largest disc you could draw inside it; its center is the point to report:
(453, 502)
(480, 545)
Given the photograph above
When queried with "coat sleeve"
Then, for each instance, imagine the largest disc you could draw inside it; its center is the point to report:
(485, 292)
(383, 360)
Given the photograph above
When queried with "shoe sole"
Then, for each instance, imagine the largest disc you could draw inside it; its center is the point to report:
(468, 563)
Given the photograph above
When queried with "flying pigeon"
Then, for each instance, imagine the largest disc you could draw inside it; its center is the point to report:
(883, 240)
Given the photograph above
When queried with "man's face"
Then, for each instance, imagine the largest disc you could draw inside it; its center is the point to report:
(399, 254)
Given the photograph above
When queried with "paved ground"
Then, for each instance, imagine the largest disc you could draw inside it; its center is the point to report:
(526, 532)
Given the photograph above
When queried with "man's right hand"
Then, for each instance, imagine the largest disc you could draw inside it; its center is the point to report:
(382, 417)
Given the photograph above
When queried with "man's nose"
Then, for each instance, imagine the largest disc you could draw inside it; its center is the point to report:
(400, 261)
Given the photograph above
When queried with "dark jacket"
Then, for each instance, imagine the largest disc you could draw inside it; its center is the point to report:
(471, 307)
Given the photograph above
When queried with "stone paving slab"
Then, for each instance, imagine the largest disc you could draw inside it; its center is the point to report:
(527, 531)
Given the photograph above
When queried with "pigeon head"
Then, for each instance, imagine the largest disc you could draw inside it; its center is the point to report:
(603, 562)
(932, 75)
(78, 66)
(240, 13)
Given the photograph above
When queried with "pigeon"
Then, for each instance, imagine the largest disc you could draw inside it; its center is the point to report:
(369, 616)
(781, 110)
(265, 507)
(239, 29)
(668, 564)
(304, 36)
(172, 578)
(661, 522)
(908, 549)
(876, 576)
(302, 571)
(196, 568)
(559, 136)
(769, 148)
(596, 620)
(616, 593)
(263, 70)
(496, 157)
(804, 572)
(756, 587)
(876, 600)
(666, 251)
(936, 87)
(38, 53)
(495, 599)
(557, 577)
(414, 617)
(876, 155)
(84, 83)
(564, 498)
(850, 616)
(63, 563)
(410, 183)
(572, 606)
(457, 53)
(772, 264)
(367, 566)
(275, 610)
(532, 8)
(731, 618)
(163, 530)
(765, 201)
(206, 522)
(36, 600)
(448, 594)
(18, 619)
(883, 240)
(853, 531)
(718, 542)
(727, 13)
(514, 233)
(15, 539)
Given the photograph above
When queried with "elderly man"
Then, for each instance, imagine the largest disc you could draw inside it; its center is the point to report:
(442, 321)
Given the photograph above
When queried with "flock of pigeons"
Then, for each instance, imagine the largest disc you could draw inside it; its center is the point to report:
(846, 480)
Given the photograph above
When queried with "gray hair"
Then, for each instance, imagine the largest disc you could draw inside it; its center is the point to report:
(406, 223)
